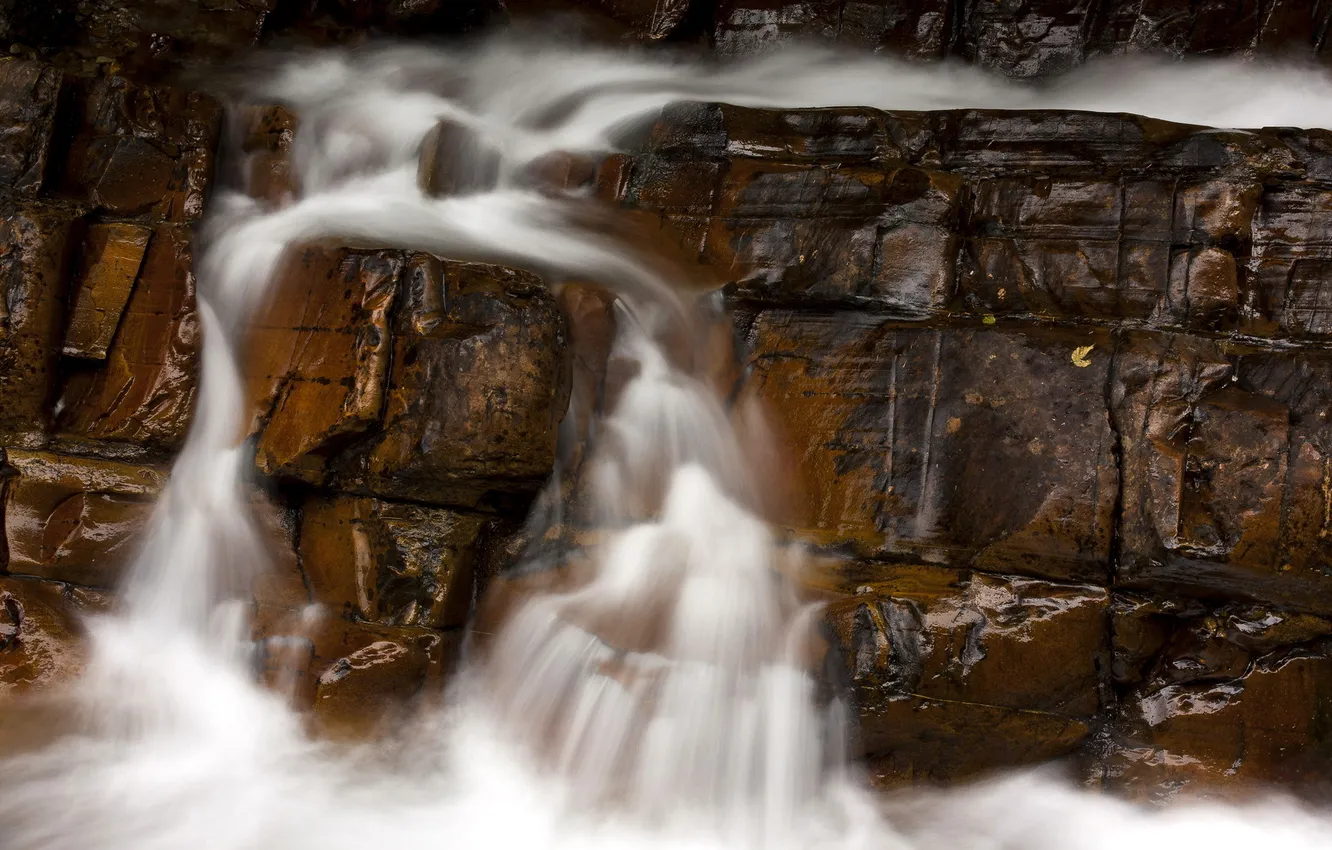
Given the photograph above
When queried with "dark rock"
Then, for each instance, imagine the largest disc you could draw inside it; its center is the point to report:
(29, 93)
(33, 286)
(955, 673)
(923, 443)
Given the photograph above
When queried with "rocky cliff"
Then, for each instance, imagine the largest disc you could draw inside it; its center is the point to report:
(1052, 386)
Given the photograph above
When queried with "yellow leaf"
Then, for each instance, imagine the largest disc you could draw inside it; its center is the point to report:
(988, 319)
(1080, 356)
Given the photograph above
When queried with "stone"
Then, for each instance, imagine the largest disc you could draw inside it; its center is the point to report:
(1224, 466)
(268, 136)
(391, 563)
(29, 95)
(317, 359)
(33, 285)
(142, 395)
(918, 30)
(41, 633)
(75, 519)
(140, 149)
(112, 256)
(921, 442)
(629, 20)
(956, 673)
(352, 676)
(477, 389)
(1236, 696)
(457, 160)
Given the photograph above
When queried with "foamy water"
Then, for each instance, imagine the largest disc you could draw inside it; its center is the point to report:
(664, 700)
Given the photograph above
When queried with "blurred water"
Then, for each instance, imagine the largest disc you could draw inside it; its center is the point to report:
(663, 700)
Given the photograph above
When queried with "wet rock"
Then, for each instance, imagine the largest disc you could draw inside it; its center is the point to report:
(1236, 696)
(918, 30)
(1224, 471)
(75, 519)
(639, 21)
(478, 386)
(142, 395)
(33, 263)
(318, 359)
(354, 676)
(41, 633)
(112, 255)
(142, 150)
(457, 160)
(29, 93)
(955, 673)
(267, 137)
(923, 442)
(391, 563)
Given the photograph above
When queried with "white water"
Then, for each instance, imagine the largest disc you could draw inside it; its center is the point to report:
(582, 725)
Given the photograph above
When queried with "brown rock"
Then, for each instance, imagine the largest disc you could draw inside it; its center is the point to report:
(939, 659)
(142, 150)
(75, 519)
(389, 563)
(268, 134)
(477, 389)
(41, 633)
(457, 160)
(143, 394)
(318, 358)
(922, 442)
(32, 307)
(112, 255)
(1225, 472)
(29, 91)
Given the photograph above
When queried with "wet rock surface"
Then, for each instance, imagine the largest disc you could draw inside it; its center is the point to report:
(1053, 385)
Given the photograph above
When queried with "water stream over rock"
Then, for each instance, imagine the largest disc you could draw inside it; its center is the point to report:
(661, 691)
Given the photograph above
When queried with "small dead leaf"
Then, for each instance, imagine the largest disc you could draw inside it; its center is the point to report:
(988, 319)
(1080, 356)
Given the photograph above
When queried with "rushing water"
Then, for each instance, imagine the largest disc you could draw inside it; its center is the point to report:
(661, 701)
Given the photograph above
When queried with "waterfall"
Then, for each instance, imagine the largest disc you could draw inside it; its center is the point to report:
(661, 696)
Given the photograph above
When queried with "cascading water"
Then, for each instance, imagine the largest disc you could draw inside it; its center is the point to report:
(661, 697)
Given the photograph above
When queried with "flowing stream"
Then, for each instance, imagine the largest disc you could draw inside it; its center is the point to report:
(662, 701)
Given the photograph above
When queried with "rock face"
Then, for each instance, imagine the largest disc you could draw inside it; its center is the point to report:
(1053, 385)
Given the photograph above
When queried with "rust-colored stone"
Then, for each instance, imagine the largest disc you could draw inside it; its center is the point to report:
(477, 389)
(143, 394)
(32, 309)
(390, 563)
(940, 659)
(923, 441)
(318, 358)
(112, 255)
(75, 519)
(457, 160)
(29, 92)
(41, 635)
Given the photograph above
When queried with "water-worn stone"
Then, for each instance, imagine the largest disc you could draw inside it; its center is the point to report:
(1225, 471)
(478, 387)
(29, 94)
(457, 160)
(391, 563)
(954, 673)
(142, 150)
(33, 250)
(41, 634)
(923, 442)
(142, 395)
(75, 519)
(267, 136)
(318, 358)
(112, 255)
(1236, 695)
